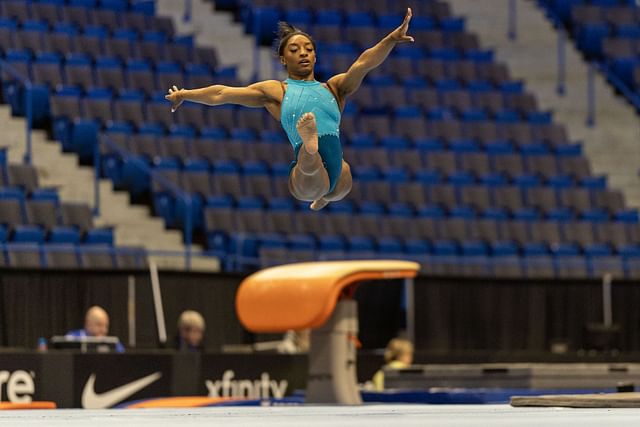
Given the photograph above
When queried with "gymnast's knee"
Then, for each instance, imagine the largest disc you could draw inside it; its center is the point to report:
(307, 192)
(343, 186)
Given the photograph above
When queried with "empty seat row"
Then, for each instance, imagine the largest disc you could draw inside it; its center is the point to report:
(615, 14)
(260, 19)
(246, 124)
(494, 226)
(429, 38)
(335, 10)
(70, 256)
(392, 177)
(531, 266)
(445, 95)
(48, 216)
(426, 165)
(112, 14)
(85, 72)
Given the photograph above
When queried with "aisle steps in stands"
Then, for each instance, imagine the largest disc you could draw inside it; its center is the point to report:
(214, 28)
(134, 226)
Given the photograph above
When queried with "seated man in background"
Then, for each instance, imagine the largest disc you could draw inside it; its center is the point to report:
(96, 324)
(397, 355)
(191, 328)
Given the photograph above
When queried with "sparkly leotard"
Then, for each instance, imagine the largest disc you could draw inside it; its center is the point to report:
(303, 97)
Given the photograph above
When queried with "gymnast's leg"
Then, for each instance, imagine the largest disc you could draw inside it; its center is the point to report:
(309, 180)
(342, 188)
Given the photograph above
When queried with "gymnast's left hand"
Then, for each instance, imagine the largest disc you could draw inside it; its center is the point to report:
(399, 35)
(175, 96)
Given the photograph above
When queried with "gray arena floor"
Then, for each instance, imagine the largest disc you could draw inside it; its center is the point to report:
(368, 415)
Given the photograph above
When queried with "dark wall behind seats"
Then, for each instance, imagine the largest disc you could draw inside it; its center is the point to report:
(452, 315)
(515, 315)
(42, 304)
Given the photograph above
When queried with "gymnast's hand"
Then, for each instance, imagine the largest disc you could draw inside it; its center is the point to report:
(399, 35)
(176, 96)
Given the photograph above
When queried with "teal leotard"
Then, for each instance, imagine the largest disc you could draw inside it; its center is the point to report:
(303, 97)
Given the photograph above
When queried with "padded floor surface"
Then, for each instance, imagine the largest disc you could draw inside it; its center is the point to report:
(367, 415)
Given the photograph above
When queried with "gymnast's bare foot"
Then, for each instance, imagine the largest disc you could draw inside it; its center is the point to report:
(319, 204)
(308, 132)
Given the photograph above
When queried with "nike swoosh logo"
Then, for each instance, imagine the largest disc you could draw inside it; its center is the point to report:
(93, 400)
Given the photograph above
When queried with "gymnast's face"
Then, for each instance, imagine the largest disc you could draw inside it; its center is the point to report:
(299, 57)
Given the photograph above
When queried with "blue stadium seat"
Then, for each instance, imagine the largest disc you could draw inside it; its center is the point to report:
(537, 261)
(115, 5)
(65, 106)
(590, 36)
(263, 20)
(329, 17)
(84, 135)
(506, 259)
(64, 234)
(331, 247)
(28, 234)
(417, 248)
(164, 199)
(631, 257)
(360, 247)
(390, 247)
(301, 18)
(78, 71)
(99, 236)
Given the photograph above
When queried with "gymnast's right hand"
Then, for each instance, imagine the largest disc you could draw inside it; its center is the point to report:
(175, 96)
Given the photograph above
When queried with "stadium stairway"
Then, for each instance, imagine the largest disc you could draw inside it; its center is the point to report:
(214, 28)
(612, 145)
(133, 225)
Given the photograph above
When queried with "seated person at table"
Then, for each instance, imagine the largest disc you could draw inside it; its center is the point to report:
(96, 324)
(397, 355)
(191, 328)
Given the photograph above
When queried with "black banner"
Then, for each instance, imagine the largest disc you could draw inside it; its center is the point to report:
(93, 381)
(256, 376)
(105, 380)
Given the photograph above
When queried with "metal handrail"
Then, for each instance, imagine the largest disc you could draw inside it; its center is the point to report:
(4, 65)
(154, 176)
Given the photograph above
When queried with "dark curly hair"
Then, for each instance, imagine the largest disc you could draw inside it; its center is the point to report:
(285, 32)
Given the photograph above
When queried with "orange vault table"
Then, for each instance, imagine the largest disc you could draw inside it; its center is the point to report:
(317, 296)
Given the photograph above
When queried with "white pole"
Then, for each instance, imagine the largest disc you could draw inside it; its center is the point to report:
(157, 302)
(410, 308)
(131, 304)
(607, 309)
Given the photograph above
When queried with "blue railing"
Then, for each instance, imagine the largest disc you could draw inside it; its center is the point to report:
(512, 31)
(187, 14)
(154, 176)
(28, 102)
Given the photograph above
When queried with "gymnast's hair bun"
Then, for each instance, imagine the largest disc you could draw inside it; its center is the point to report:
(285, 29)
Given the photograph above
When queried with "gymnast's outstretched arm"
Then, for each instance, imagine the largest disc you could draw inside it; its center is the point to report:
(256, 95)
(346, 83)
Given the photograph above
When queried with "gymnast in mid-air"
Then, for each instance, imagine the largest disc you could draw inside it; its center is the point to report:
(308, 110)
